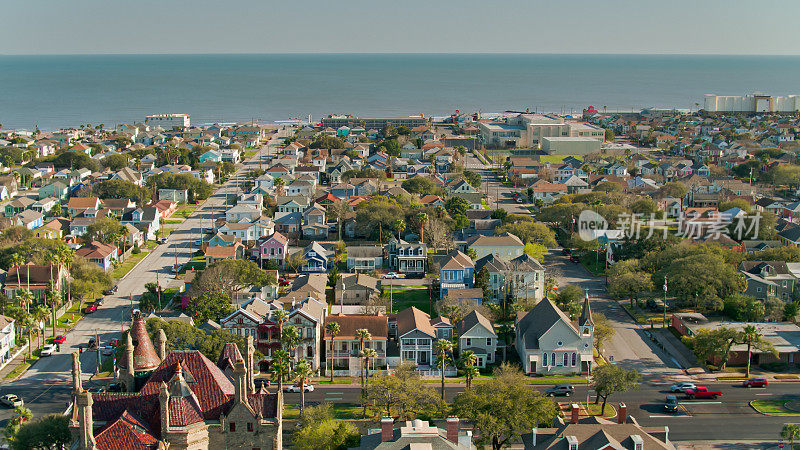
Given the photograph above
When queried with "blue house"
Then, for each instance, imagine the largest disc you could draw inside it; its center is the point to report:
(210, 155)
(343, 191)
(457, 272)
(317, 258)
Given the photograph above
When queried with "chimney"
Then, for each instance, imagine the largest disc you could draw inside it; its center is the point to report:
(622, 413)
(387, 429)
(452, 429)
(162, 344)
(533, 436)
(576, 409)
(240, 378)
(163, 403)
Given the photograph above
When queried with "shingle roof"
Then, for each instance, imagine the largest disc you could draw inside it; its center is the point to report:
(501, 240)
(540, 319)
(377, 325)
(413, 318)
(471, 320)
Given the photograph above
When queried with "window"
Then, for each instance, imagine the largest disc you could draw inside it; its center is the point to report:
(232, 427)
(409, 342)
(250, 426)
(574, 359)
(544, 359)
(468, 342)
(424, 342)
(489, 341)
(559, 343)
(553, 358)
(309, 352)
(566, 359)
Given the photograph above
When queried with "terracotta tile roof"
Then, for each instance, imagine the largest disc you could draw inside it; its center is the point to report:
(377, 326)
(144, 354)
(96, 250)
(126, 432)
(230, 354)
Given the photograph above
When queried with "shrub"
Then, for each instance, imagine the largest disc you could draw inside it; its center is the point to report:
(775, 366)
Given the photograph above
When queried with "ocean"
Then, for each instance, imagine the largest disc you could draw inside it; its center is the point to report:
(60, 91)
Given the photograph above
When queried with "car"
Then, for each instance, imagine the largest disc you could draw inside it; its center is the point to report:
(48, 350)
(701, 392)
(98, 301)
(293, 388)
(574, 259)
(92, 343)
(90, 308)
(566, 251)
(111, 291)
(560, 389)
(755, 382)
(283, 282)
(259, 382)
(113, 342)
(682, 387)
(114, 387)
(175, 268)
(671, 403)
(60, 339)
(11, 400)
(390, 275)
(162, 240)
(108, 350)
(198, 242)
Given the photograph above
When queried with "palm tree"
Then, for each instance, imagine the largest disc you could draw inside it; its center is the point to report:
(51, 298)
(468, 360)
(332, 329)
(279, 367)
(302, 374)
(790, 431)
(17, 260)
(280, 315)
(29, 324)
(290, 339)
(279, 183)
(39, 314)
(367, 354)
(421, 219)
(362, 334)
(754, 339)
(399, 226)
(24, 298)
(442, 348)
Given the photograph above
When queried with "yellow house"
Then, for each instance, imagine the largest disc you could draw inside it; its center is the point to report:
(50, 230)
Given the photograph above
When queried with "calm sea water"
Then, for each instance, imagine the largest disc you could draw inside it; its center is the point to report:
(59, 91)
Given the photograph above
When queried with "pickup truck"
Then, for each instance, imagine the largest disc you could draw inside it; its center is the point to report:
(701, 392)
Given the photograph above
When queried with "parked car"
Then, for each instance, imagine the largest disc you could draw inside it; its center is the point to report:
(111, 291)
(48, 350)
(390, 275)
(60, 339)
(566, 251)
(113, 342)
(655, 304)
(98, 301)
(115, 387)
(682, 387)
(574, 259)
(108, 350)
(198, 242)
(702, 392)
(293, 388)
(671, 404)
(90, 308)
(162, 240)
(11, 400)
(755, 382)
(283, 282)
(175, 268)
(92, 343)
(519, 199)
(560, 389)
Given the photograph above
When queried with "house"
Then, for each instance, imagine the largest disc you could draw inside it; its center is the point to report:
(343, 353)
(147, 219)
(54, 229)
(767, 279)
(117, 206)
(274, 247)
(17, 205)
(214, 254)
(417, 335)
(249, 232)
(165, 207)
(356, 289)
(29, 219)
(7, 336)
(431, 200)
(104, 255)
(241, 213)
(288, 223)
(308, 317)
(317, 258)
(417, 435)
(175, 398)
(175, 195)
(506, 245)
(521, 277)
(211, 155)
(79, 204)
(548, 192)
(55, 189)
(456, 272)
(549, 343)
(364, 257)
(38, 279)
(405, 257)
(129, 175)
(476, 333)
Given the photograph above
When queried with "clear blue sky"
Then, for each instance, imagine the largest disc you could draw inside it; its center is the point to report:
(374, 26)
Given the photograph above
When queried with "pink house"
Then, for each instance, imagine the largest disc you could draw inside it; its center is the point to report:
(274, 247)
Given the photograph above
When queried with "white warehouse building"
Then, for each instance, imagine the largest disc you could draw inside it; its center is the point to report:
(754, 103)
(168, 121)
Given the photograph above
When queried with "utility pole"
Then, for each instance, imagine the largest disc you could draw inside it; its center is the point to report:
(97, 347)
(665, 301)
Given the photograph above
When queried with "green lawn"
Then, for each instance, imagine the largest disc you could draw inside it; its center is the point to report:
(634, 312)
(123, 269)
(594, 264)
(343, 411)
(185, 211)
(249, 154)
(173, 221)
(403, 298)
(555, 159)
(19, 370)
(68, 319)
(595, 410)
(774, 407)
(164, 232)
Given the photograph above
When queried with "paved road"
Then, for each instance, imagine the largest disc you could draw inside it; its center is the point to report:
(45, 387)
(728, 418)
(499, 195)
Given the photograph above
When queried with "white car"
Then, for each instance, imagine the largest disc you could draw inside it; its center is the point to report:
(48, 350)
(390, 275)
(11, 400)
(306, 388)
(682, 387)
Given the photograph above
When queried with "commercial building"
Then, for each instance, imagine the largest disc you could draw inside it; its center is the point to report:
(528, 130)
(338, 121)
(571, 145)
(168, 121)
(753, 103)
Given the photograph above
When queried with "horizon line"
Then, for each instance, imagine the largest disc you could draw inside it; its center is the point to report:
(403, 53)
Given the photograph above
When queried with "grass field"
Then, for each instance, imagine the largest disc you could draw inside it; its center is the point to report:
(774, 407)
(185, 211)
(249, 154)
(343, 411)
(403, 298)
(555, 159)
(123, 269)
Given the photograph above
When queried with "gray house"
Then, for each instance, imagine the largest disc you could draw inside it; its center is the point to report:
(766, 279)
(476, 333)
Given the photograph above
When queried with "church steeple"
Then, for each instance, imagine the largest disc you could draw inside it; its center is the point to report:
(586, 313)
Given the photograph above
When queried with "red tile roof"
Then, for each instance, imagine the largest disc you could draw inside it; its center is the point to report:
(144, 354)
(126, 432)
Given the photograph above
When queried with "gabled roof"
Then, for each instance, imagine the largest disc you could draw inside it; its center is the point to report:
(377, 325)
(501, 240)
(412, 318)
(455, 259)
(471, 320)
(539, 320)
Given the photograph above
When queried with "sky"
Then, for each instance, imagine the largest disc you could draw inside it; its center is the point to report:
(411, 26)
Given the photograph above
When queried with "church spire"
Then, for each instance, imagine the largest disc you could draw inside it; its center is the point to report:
(586, 313)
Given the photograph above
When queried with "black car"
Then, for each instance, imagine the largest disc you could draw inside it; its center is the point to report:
(111, 291)
(114, 387)
(671, 403)
(560, 389)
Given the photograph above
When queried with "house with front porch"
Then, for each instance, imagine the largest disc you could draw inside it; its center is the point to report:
(417, 335)
(457, 272)
(476, 333)
(356, 289)
(343, 352)
(317, 258)
(364, 257)
(104, 255)
(274, 247)
(406, 257)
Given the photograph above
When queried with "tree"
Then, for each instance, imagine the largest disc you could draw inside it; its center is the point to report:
(629, 285)
(107, 230)
(319, 430)
(791, 310)
(773, 309)
(423, 186)
(209, 306)
(402, 394)
(456, 205)
(603, 331)
(150, 300)
(332, 329)
(504, 407)
(443, 348)
(116, 162)
(280, 368)
(790, 431)
(569, 299)
(399, 226)
(740, 203)
(362, 334)
(290, 339)
(49, 432)
(482, 281)
(535, 251)
(325, 141)
(675, 189)
(707, 277)
(610, 379)
(339, 211)
(13, 426)
(296, 261)
(752, 337)
(468, 361)
(529, 231)
(744, 308)
(302, 374)
(714, 344)
(229, 276)
(420, 219)
(122, 189)
(473, 178)
(609, 135)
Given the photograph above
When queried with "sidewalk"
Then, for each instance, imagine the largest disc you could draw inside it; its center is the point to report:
(18, 359)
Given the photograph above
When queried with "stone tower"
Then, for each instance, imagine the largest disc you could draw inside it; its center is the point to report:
(141, 357)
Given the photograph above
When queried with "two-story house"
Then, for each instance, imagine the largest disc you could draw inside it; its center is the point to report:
(343, 353)
(364, 257)
(317, 258)
(104, 255)
(271, 248)
(549, 343)
(476, 333)
(406, 257)
(767, 279)
(7, 335)
(417, 334)
(456, 272)
(506, 245)
(522, 277)
(356, 289)
(308, 317)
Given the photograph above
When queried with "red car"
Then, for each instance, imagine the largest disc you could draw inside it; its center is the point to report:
(574, 258)
(701, 392)
(283, 282)
(755, 382)
(90, 308)
(113, 342)
(60, 339)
